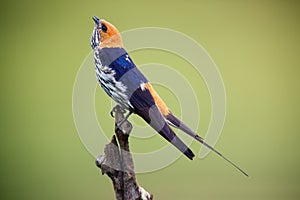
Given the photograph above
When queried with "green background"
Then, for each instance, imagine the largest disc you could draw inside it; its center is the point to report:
(255, 45)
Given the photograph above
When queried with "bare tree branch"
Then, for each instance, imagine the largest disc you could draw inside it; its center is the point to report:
(117, 163)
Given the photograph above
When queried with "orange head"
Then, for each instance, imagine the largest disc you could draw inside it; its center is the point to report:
(105, 35)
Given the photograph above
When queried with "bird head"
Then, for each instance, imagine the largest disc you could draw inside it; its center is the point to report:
(105, 35)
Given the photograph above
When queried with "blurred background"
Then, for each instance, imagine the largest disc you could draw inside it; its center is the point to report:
(255, 45)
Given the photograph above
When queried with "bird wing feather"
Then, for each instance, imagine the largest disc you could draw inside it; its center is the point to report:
(145, 106)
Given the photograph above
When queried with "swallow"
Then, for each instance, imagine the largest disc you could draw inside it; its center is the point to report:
(129, 88)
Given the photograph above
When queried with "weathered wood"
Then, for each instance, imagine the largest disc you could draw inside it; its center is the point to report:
(117, 163)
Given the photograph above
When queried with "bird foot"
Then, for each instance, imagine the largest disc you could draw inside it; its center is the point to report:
(115, 109)
(121, 110)
(118, 125)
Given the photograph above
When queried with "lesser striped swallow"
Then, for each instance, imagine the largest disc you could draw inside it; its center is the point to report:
(128, 87)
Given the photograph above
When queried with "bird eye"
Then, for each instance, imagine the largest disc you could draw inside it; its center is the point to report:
(103, 28)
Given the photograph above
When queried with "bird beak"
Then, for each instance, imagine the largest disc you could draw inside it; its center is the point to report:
(96, 20)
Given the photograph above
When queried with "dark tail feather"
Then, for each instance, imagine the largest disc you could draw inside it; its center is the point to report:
(177, 123)
(169, 135)
(174, 121)
(157, 121)
(198, 138)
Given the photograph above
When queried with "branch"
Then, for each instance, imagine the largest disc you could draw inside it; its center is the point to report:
(117, 163)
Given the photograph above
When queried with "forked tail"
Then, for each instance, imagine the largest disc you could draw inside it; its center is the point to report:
(198, 138)
(174, 121)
